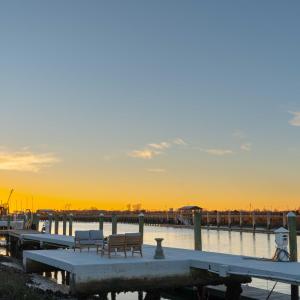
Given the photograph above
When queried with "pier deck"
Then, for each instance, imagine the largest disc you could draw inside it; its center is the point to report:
(91, 272)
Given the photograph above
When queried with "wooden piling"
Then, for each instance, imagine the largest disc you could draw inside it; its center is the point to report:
(64, 224)
(268, 220)
(218, 219)
(207, 220)
(284, 220)
(253, 221)
(241, 219)
(101, 221)
(114, 222)
(56, 223)
(70, 224)
(229, 220)
(292, 226)
(50, 216)
(141, 224)
(197, 230)
(8, 222)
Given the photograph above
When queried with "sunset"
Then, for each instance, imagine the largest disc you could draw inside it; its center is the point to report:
(113, 109)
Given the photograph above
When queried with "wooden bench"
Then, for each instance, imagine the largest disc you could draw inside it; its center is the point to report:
(122, 243)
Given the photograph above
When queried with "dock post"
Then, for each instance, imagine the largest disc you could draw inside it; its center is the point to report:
(70, 224)
(101, 221)
(241, 219)
(50, 222)
(207, 220)
(284, 220)
(35, 221)
(253, 221)
(218, 219)
(114, 221)
(8, 222)
(268, 220)
(56, 223)
(293, 248)
(141, 224)
(64, 224)
(197, 230)
(229, 220)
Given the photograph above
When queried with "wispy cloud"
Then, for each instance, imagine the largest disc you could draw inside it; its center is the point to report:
(25, 160)
(246, 147)
(295, 121)
(218, 152)
(144, 154)
(160, 146)
(154, 149)
(156, 170)
(179, 141)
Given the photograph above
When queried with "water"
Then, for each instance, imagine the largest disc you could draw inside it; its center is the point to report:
(249, 244)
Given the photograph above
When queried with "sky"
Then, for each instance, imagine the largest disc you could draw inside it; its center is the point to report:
(162, 103)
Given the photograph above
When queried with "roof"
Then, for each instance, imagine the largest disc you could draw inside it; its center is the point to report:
(190, 207)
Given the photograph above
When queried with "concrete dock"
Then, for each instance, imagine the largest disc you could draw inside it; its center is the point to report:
(89, 272)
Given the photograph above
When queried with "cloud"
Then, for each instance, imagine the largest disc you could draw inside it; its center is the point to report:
(160, 146)
(144, 154)
(246, 147)
(295, 121)
(25, 161)
(179, 141)
(218, 152)
(155, 149)
(156, 170)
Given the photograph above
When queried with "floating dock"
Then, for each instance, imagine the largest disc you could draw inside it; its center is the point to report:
(91, 273)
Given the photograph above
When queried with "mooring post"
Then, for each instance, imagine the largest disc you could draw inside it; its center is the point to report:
(268, 220)
(197, 230)
(101, 221)
(70, 224)
(64, 224)
(253, 221)
(292, 226)
(114, 221)
(284, 220)
(35, 221)
(218, 219)
(56, 223)
(8, 222)
(50, 222)
(207, 219)
(241, 219)
(229, 220)
(141, 224)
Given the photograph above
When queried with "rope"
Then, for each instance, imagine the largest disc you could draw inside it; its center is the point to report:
(271, 290)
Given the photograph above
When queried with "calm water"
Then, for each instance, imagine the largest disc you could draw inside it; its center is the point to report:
(259, 244)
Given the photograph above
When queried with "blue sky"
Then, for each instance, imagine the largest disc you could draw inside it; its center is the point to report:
(88, 83)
